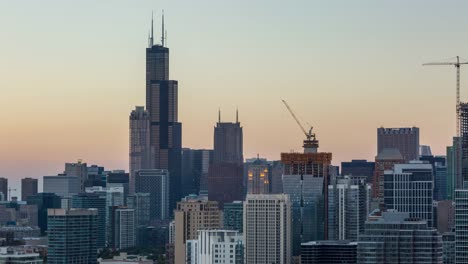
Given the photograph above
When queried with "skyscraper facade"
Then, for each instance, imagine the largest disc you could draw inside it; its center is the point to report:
(72, 236)
(234, 216)
(267, 229)
(385, 160)
(195, 168)
(79, 170)
(358, 168)
(94, 200)
(258, 177)
(329, 252)
(406, 140)
(141, 202)
(409, 188)
(162, 105)
(454, 168)
(140, 155)
(225, 179)
(123, 227)
(44, 201)
(463, 116)
(157, 184)
(4, 187)
(28, 188)
(62, 185)
(461, 226)
(216, 246)
(118, 178)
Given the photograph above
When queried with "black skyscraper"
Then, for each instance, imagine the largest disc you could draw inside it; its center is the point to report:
(162, 105)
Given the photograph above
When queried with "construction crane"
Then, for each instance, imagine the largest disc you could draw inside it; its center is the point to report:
(457, 65)
(311, 143)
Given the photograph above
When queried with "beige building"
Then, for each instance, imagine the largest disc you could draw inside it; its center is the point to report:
(267, 229)
(192, 214)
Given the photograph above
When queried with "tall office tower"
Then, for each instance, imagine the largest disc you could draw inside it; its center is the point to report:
(140, 155)
(384, 161)
(305, 178)
(440, 175)
(444, 216)
(329, 252)
(425, 150)
(118, 179)
(61, 185)
(234, 216)
(157, 184)
(406, 140)
(276, 183)
(461, 226)
(216, 246)
(359, 168)
(195, 165)
(123, 228)
(72, 236)
(141, 203)
(347, 208)
(191, 215)
(79, 170)
(162, 105)
(398, 238)
(225, 178)
(28, 188)
(94, 200)
(44, 201)
(408, 188)
(267, 229)
(463, 116)
(96, 176)
(448, 248)
(4, 187)
(258, 177)
(454, 168)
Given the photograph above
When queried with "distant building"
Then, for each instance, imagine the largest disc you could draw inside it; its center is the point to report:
(329, 252)
(454, 168)
(425, 150)
(216, 246)
(4, 187)
(118, 179)
(72, 236)
(62, 185)
(140, 154)
(28, 188)
(97, 201)
(444, 216)
(157, 184)
(225, 178)
(233, 216)
(16, 255)
(347, 208)
(408, 188)
(79, 170)
(358, 168)
(123, 228)
(463, 117)
(267, 243)
(258, 177)
(141, 202)
(193, 214)
(195, 168)
(406, 140)
(44, 201)
(461, 226)
(395, 232)
(448, 244)
(276, 184)
(385, 160)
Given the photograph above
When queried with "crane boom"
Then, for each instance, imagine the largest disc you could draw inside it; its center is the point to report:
(295, 118)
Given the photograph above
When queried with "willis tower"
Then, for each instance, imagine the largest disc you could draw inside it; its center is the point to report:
(162, 105)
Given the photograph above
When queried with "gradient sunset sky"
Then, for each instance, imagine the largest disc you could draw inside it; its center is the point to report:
(71, 72)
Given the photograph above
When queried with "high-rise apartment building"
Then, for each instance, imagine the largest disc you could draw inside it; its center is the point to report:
(4, 188)
(44, 201)
(191, 215)
(141, 202)
(385, 160)
(140, 155)
(329, 252)
(267, 229)
(454, 168)
(216, 246)
(97, 201)
(461, 226)
(348, 201)
(162, 105)
(305, 179)
(123, 228)
(258, 177)
(448, 245)
(406, 140)
(195, 168)
(359, 168)
(408, 188)
(157, 184)
(79, 170)
(398, 238)
(225, 178)
(72, 236)
(28, 188)
(234, 216)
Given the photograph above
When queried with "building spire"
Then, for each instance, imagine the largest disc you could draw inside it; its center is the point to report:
(237, 114)
(162, 31)
(150, 34)
(219, 115)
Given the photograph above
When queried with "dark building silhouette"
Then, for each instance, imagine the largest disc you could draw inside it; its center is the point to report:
(195, 166)
(225, 179)
(94, 200)
(28, 188)
(406, 140)
(140, 155)
(329, 252)
(118, 179)
(44, 201)
(4, 187)
(162, 105)
(358, 168)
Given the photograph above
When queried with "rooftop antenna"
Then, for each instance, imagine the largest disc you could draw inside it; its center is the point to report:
(152, 36)
(162, 32)
(219, 115)
(237, 115)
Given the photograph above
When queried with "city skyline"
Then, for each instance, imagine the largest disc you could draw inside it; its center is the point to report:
(68, 108)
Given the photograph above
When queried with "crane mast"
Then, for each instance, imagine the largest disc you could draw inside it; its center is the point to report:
(310, 143)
